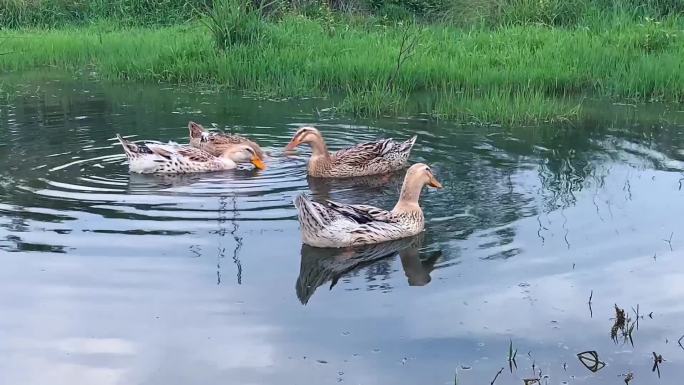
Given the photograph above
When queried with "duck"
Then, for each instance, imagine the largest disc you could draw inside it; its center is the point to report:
(158, 158)
(339, 225)
(370, 158)
(216, 142)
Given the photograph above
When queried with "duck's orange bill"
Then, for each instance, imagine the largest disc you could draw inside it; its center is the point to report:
(434, 183)
(258, 163)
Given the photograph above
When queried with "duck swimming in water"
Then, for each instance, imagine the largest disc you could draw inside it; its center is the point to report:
(341, 225)
(371, 158)
(216, 142)
(157, 158)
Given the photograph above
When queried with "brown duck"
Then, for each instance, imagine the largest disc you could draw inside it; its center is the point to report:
(341, 225)
(216, 143)
(371, 158)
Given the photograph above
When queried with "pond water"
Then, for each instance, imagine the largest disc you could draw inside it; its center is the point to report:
(112, 278)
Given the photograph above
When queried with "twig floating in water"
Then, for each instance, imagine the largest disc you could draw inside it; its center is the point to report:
(636, 311)
(511, 356)
(657, 360)
(669, 241)
(497, 376)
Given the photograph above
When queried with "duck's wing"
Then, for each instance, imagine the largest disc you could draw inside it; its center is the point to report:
(361, 213)
(318, 215)
(220, 140)
(364, 153)
(198, 132)
(225, 139)
(171, 151)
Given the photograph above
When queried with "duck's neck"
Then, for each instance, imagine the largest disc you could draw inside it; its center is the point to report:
(408, 199)
(320, 157)
(319, 149)
(227, 162)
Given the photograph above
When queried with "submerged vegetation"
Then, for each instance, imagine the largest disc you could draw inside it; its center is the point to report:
(477, 61)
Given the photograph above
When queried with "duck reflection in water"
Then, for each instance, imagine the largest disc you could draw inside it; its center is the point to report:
(321, 265)
(418, 270)
(145, 182)
(154, 182)
(361, 188)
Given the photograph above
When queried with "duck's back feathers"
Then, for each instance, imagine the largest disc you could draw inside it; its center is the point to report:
(340, 225)
(361, 213)
(216, 143)
(370, 158)
(191, 154)
(159, 158)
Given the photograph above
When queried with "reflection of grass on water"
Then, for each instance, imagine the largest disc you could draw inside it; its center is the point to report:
(623, 325)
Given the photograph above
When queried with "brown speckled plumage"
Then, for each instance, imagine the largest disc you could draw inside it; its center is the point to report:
(216, 143)
(340, 225)
(371, 158)
(158, 158)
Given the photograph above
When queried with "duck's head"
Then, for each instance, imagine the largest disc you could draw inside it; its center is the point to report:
(242, 153)
(421, 174)
(304, 135)
(417, 176)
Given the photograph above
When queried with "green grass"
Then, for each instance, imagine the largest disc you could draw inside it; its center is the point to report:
(515, 74)
(56, 13)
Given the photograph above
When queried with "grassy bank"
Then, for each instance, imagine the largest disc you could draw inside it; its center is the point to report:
(509, 74)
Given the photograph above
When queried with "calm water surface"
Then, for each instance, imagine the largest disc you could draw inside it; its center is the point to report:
(111, 278)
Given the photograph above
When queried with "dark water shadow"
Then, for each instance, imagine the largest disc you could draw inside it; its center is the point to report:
(359, 188)
(146, 182)
(152, 182)
(321, 265)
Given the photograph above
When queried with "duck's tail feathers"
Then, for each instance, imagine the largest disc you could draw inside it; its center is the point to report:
(196, 130)
(408, 145)
(129, 147)
(310, 212)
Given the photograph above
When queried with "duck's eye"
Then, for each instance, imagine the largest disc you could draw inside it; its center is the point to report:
(304, 131)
